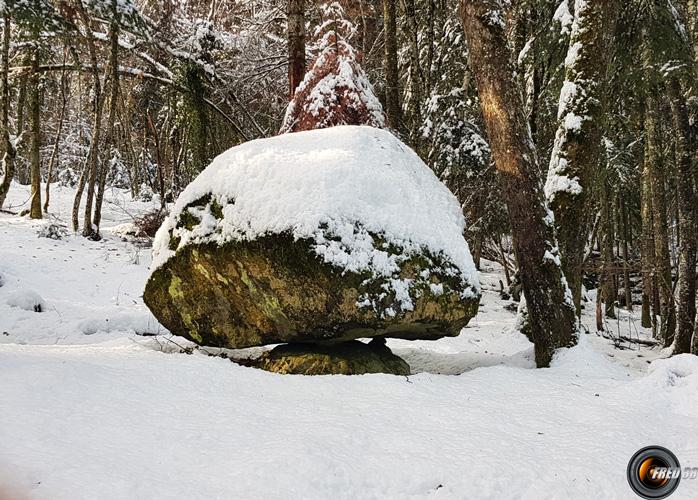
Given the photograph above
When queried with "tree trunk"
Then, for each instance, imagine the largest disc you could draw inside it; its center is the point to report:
(8, 148)
(687, 221)
(576, 151)
(505, 262)
(35, 129)
(296, 43)
(647, 247)
(158, 158)
(550, 309)
(607, 287)
(694, 342)
(653, 57)
(663, 277)
(627, 287)
(431, 13)
(392, 85)
(416, 75)
(693, 30)
(56, 142)
(113, 102)
(90, 172)
(599, 311)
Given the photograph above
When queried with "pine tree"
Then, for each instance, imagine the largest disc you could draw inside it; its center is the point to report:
(335, 91)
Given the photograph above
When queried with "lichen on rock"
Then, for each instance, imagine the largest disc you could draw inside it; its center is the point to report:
(275, 289)
(329, 238)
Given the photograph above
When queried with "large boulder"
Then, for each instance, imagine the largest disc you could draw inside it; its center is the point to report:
(345, 358)
(320, 236)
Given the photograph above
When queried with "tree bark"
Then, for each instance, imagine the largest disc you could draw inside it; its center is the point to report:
(694, 342)
(431, 12)
(627, 287)
(8, 147)
(663, 278)
(90, 171)
(552, 318)
(35, 130)
(416, 75)
(296, 44)
(392, 83)
(607, 286)
(647, 247)
(577, 150)
(693, 31)
(56, 142)
(113, 102)
(687, 221)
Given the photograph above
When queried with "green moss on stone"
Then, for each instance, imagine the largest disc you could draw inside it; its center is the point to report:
(345, 358)
(187, 220)
(276, 289)
(216, 210)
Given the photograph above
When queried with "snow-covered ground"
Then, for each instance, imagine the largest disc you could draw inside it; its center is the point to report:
(91, 407)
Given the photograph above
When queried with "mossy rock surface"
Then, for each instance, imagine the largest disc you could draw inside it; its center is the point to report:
(344, 358)
(276, 290)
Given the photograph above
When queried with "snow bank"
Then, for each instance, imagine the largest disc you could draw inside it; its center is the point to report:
(340, 187)
(28, 300)
(672, 371)
(139, 322)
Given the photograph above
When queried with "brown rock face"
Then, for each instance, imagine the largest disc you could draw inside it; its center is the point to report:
(276, 290)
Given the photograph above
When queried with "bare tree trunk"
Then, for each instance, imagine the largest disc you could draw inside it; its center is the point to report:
(56, 142)
(687, 220)
(659, 219)
(662, 286)
(134, 172)
(577, 148)
(694, 342)
(626, 267)
(430, 45)
(505, 262)
(416, 74)
(552, 318)
(80, 188)
(90, 171)
(158, 158)
(599, 312)
(296, 44)
(647, 247)
(693, 30)
(35, 129)
(607, 288)
(113, 102)
(392, 83)
(8, 148)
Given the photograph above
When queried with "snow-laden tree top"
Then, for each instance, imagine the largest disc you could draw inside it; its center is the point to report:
(355, 191)
(336, 90)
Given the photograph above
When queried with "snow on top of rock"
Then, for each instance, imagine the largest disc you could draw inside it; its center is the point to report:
(348, 182)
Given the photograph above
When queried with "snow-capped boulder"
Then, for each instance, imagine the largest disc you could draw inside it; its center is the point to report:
(325, 235)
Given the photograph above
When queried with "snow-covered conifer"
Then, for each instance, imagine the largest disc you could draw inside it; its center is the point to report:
(335, 91)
